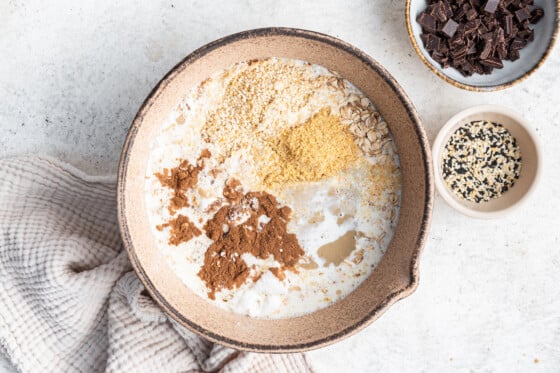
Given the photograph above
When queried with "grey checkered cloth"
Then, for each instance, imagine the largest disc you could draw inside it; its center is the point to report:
(68, 298)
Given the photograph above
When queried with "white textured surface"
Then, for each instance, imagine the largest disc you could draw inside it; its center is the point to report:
(73, 75)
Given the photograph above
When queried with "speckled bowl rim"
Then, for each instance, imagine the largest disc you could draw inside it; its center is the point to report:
(426, 214)
(475, 88)
(446, 132)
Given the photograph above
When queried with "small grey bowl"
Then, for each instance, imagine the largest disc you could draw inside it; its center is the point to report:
(531, 57)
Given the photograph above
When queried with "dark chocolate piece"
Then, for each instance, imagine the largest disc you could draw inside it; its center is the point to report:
(475, 3)
(427, 21)
(513, 54)
(433, 43)
(518, 44)
(447, 9)
(471, 26)
(499, 37)
(471, 14)
(508, 24)
(536, 15)
(501, 51)
(493, 62)
(491, 6)
(526, 35)
(450, 28)
(487, 49)
(471, 49)
(459, 52)
(522, 14)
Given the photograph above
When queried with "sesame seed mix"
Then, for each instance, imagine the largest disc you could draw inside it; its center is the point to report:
(481, 161)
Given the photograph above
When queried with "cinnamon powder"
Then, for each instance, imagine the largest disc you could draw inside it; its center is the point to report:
(181, 179)
(223, 266)
(182, 230)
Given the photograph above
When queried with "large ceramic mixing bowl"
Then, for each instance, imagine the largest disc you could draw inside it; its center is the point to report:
(395, 277)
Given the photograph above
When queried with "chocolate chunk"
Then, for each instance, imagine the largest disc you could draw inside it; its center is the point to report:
(468, 68)
(471, 48)
(514, 31)
(492, 62)
(499, 37)
(471, 14)
(433, 43)
(536, 15)
(459, 60)
(478, 68)
(508, 24)
(491, 6)
(528, 34)
(439, 12)
(482, 29)
(471, 26)
(461, 12)
(447, 9)
(518, 44)
(440, 57)
(459, 52)
(513, 54)
(427, 21)
(488, 45)
(501, 51)
(522, 14)
(450, 28)
(491, 24)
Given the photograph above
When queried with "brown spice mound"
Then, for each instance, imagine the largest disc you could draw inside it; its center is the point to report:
(223, 266)
(181, 179)
(232, 191)
(182, 230)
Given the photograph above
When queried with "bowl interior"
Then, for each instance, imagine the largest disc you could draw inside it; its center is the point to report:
(394, 277)
(529, 157)
(530, 56)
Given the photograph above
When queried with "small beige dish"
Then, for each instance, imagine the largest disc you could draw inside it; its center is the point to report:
(531, 57)
(530, 161)
(394, 278)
